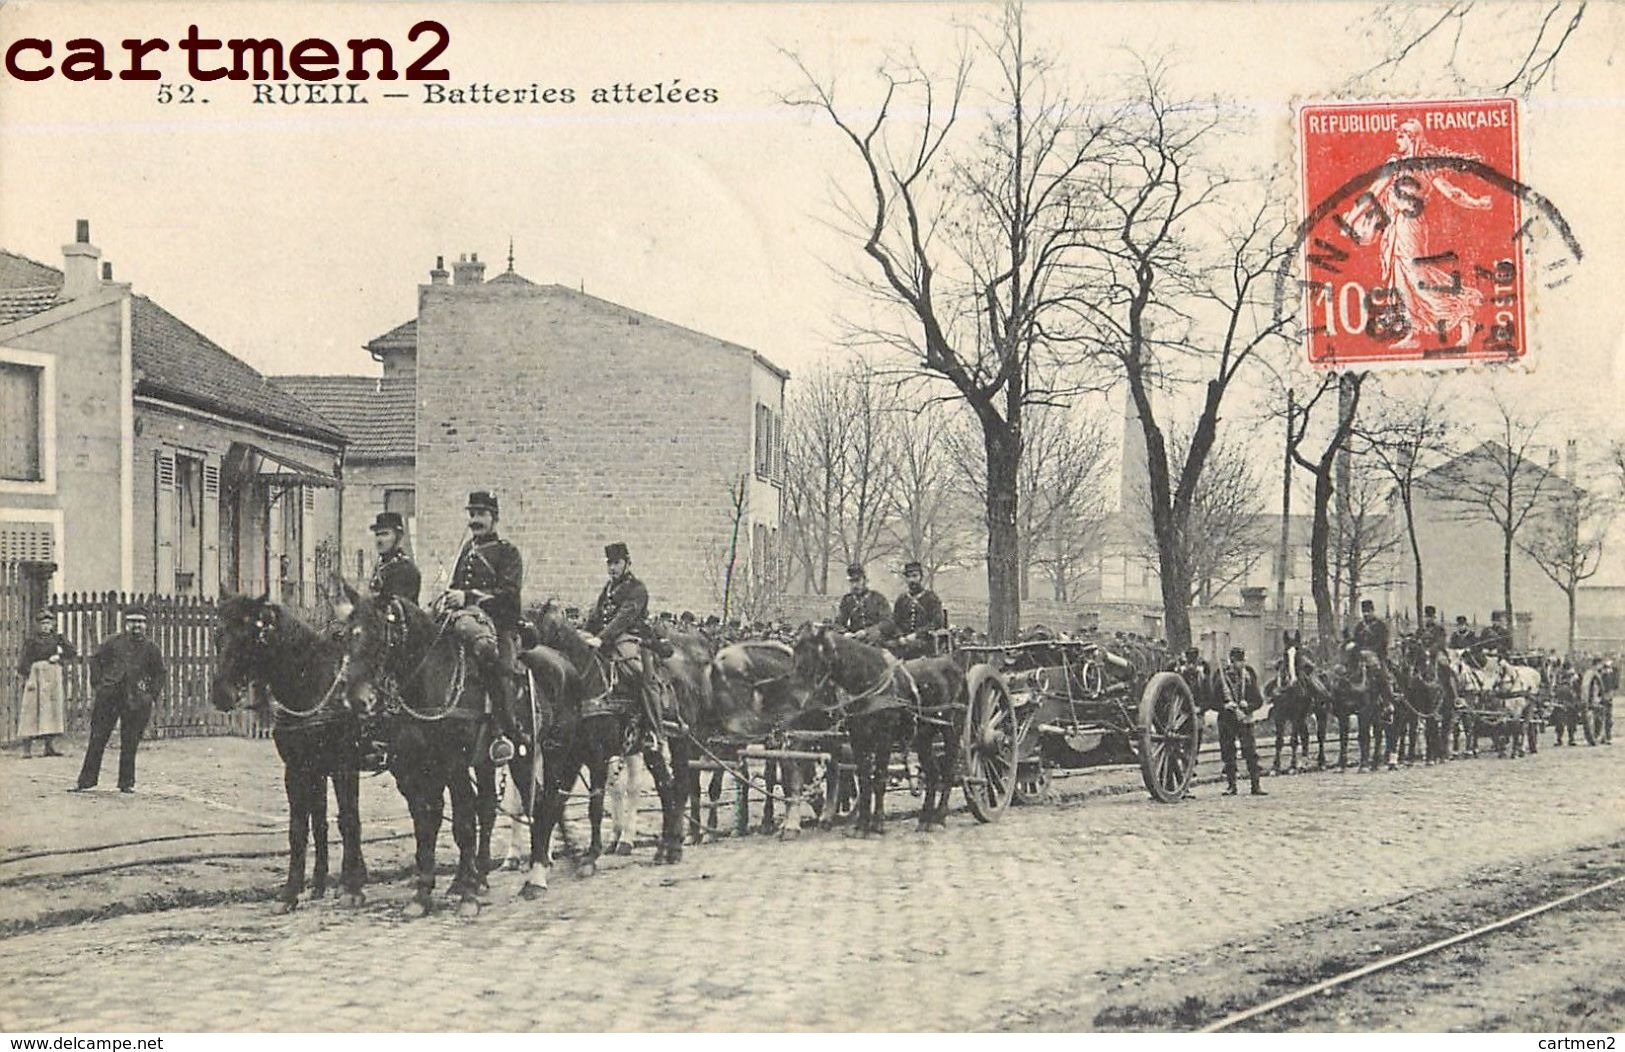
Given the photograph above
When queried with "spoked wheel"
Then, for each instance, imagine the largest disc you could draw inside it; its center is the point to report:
(1032, 783)
(1591, 703)
(989, 745)
(1168, 733)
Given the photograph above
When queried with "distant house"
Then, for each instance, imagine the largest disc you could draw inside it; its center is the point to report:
(139, 455)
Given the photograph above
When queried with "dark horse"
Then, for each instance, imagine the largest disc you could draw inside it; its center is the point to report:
(759, 676)
(1296, 693)
(1355, 691)
(1423, 703)
(886, 697)
(587, 725)
(438, 734)
(261, 642)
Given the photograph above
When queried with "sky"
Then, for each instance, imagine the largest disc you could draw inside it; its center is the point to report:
(293, 234)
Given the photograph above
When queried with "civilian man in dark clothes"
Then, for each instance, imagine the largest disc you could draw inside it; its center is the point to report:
(127, 674)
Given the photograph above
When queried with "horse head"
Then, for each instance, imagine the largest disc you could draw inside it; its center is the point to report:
(247, 631)
(376, 630)
(813, 653)
(1287, 667)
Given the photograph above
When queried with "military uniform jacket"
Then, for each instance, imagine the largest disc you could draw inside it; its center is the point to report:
(495, 567)
(918, 613)
(1432, 636)
(1462, 638)
(1240, 685)
(128, 665)
(622, 606)
(1373, 636)
(396, 576)
(858, 612)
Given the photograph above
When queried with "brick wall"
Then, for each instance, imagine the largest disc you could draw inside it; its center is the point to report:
(592, 423)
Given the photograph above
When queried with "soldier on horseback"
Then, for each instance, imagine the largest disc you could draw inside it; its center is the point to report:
(916, 615)
(1371, 639)
(394, 575)
(1462, 636)
(1431, 636)
(1236, 690)
(483, 610)
(863, 613)
(1498, 636)
(618, 617)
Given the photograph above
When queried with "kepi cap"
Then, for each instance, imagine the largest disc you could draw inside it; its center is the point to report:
(388, 520)
(855, 571)
(483, 500)
(617, 552)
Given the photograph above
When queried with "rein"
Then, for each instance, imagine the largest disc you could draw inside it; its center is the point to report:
(315, 710)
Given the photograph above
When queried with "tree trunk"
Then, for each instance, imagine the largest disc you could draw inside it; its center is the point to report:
(1319, 571)
(1571, 595)
(1416, 552)
(1506, 577)
(1003, 536)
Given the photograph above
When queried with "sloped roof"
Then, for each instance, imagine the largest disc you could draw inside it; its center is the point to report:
(402, 337)
(176, 362)
(1492, 455)
(377, 413)
(172, 360)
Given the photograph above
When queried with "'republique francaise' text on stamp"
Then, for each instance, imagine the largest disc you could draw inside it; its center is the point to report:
(1413, 230)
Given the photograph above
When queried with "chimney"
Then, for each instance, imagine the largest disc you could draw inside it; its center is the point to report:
(438, 275)
(79, 262)
(468, 270)
(107, 272)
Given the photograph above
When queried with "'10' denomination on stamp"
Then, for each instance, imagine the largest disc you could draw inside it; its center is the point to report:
(1412, 240)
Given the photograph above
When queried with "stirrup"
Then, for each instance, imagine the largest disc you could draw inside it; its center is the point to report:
(501, 750)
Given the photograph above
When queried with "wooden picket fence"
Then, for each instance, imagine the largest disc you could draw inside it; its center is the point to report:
(182, 627)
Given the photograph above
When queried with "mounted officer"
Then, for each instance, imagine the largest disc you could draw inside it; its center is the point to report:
(1498, 636)
(1371, 639)
(394, 575)
(1235, 690)
(863, 614)
(1431, 635)
(483, 607)
(916, 615)
(1462, 637)
(619, 616)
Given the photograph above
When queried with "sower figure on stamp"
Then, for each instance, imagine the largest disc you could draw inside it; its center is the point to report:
(863, 613)
(41, 713)
(127, 674)
(618, 618)
(1238, 695)
(394, 575)
(483, 605)
(916, 615)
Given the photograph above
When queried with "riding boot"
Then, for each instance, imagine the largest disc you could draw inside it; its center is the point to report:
(1258, 790)
(1230, 782)
(499, 687)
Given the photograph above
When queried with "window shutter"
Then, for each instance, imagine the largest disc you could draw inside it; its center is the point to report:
(777, 451)
(165, 508)
(307, 544)
(210, 584)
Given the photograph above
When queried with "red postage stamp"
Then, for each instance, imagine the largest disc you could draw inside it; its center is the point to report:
(1411, 243)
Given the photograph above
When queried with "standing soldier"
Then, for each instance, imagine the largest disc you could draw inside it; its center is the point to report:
(1236, 692)
(127, 674)
(483, 602)
(394, 575)
(41, 714)
(618, 616)
(863, 613)
(916, 614)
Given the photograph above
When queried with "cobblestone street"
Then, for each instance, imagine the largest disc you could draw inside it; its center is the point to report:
(985, 926)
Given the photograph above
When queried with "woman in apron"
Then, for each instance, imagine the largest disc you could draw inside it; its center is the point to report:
(42, 712)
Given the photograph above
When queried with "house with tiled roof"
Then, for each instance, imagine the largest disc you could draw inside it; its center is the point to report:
(591, 421)
(139, 455)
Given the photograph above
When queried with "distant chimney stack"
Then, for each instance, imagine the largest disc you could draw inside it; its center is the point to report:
(79, 262)
(438, 275)
(468, 270)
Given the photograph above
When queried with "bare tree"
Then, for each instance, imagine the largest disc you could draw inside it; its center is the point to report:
(1566, 542)
(966, 232)
(1226, 535)
(1403, 439)
(929, 524)
(1346, 389)
(840, 477)
(1367, 535)
(1468, 45)
(1498, 483)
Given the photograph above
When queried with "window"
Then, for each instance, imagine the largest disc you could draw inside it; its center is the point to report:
(769, 461)
(189, 533)
(22, 422)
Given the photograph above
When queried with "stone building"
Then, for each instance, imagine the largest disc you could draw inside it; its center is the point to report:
(591, 421)
(140, 456)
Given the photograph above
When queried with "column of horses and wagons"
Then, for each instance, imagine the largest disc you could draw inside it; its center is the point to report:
(445, 695)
